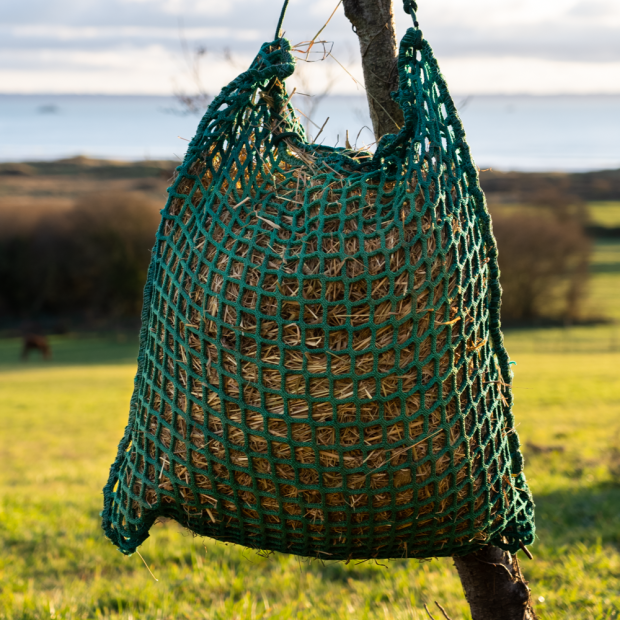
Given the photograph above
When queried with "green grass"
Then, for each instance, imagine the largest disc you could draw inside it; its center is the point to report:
(74, 349)
(604, 286)
(605, 213)
(606, 256)
(62, 421)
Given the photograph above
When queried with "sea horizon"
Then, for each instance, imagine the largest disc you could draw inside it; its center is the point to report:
(520, 132)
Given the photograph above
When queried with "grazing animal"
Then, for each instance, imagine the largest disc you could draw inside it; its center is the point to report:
(32, 342)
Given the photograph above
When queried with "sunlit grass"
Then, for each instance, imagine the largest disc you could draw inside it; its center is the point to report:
(604, 286)
(61, 421)
(74, 349)
(605, 213)
(59, 428)
(59, 435)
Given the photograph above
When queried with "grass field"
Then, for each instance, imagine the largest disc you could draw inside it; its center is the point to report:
(61, 421)
(605, 213)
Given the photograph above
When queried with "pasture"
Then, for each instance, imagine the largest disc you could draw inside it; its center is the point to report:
(61, 421)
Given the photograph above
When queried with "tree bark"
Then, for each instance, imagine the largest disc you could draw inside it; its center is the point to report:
(494, 586)
(492, 580)
(373, 22)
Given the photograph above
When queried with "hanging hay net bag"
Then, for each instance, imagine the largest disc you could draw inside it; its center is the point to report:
(321, 367)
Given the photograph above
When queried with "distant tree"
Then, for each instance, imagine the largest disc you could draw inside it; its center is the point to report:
(544, 266)
(87, 263)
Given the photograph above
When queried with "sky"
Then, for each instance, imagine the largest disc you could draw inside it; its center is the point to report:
(149, 46)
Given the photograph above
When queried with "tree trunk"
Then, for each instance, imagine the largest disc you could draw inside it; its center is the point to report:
(373, 22)
(494, 586)
(492, 579)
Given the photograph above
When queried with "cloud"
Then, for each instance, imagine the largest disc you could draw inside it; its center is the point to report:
(34, 34)
(593, 8)
(38, 33)
(529, 76)
(547, 41)
(125, 70)
(191, 7)
(562, 30)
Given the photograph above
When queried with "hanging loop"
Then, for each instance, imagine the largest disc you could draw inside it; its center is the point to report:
(281, 20)
(411, 6)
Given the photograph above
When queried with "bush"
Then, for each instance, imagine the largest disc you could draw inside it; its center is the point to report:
(89, 262)
(544, 267)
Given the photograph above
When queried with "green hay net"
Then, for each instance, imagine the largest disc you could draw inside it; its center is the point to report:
(321, 367)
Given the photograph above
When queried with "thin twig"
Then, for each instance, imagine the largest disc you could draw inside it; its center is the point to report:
(289, 200)
(308, 118)
(321, 130)
(242, 202)
(360, 133)
(282, 121)
(298, 48)
(269, 222)
(398, 453)
(364, 89)
(430, 615)
(147, 566)
(452, 322)
(316, 36)
(289, 97)
(443, 611)
(165, 460)
(525, 550)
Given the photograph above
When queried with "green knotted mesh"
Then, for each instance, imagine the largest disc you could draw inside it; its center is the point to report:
(321, 367)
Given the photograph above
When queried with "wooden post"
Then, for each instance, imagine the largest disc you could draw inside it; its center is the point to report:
(492, 580)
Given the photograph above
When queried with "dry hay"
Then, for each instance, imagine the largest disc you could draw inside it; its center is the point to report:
(273, 319)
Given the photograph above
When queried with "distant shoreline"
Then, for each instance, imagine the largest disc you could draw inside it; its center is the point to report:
(595, 185)
(29, 167)
(527, 133)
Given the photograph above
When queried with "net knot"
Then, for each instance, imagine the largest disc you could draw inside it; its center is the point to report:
(413, 38)
(274, 60)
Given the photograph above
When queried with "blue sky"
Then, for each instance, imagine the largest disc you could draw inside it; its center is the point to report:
(135, 46)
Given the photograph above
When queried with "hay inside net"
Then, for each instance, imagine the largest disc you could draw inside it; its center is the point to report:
(321, 368)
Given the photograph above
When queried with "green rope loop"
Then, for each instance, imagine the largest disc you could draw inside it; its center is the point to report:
(281, 20)
(411, 7)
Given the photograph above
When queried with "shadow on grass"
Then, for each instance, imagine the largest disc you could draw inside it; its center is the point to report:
(72, 350)
(587, 516)
(605, 268)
